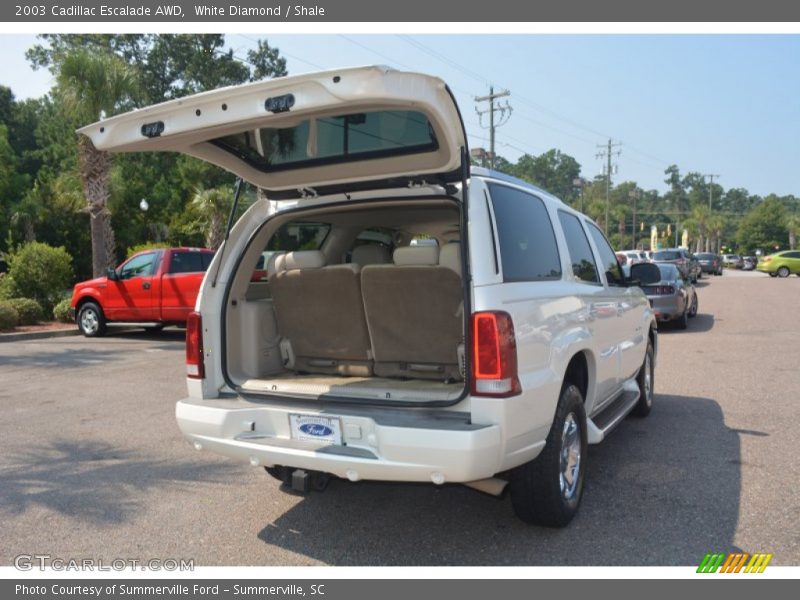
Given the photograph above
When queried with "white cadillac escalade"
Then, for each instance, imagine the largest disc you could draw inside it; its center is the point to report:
(384, 310)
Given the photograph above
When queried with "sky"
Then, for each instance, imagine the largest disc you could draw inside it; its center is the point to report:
(727, 105)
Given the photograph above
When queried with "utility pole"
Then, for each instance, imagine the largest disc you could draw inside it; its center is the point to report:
(635, 195)
(608, 151)
(505, 113)
(710, 188)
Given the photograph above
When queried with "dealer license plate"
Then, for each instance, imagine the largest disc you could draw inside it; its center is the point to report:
(314, 428)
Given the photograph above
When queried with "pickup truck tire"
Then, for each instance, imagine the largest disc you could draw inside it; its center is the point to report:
(91, 320)
(645, 379)
(547, 490)
(154, 328)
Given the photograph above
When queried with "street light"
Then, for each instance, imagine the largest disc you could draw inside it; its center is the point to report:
(144, 205)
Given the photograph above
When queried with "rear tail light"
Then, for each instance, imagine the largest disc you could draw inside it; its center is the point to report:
(194, 346)
(766, 259)
(494, 355)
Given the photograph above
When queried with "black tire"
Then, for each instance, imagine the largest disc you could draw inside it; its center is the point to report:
(683, 322)
(154, 328)
(773, 274)
(783, 272)
(693, 307)
(646, 384)
(541, 492)
(91, 320)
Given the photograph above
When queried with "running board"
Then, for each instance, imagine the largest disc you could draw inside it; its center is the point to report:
(599, 426)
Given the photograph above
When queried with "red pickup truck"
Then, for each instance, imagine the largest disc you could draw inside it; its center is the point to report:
(157, 287)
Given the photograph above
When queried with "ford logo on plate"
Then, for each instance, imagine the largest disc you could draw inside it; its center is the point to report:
(316, 430)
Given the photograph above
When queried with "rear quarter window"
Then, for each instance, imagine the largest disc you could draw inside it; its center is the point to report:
(528, 247)
(187, 262)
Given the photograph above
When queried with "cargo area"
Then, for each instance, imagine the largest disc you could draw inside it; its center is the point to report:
(360, 301)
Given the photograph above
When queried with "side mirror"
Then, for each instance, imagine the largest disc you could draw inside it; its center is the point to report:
(112, 274)
(646, 273)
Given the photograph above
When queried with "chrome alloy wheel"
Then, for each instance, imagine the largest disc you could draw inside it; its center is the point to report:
(570, 457)
(89, 321)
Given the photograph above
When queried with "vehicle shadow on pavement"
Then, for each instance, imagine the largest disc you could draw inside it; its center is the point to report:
(659, 491)
(92, 481)
(702, 322)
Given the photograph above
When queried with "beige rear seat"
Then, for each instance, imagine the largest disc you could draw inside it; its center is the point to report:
(414, 313)
(319, 310)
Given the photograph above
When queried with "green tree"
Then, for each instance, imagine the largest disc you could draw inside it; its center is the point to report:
(763, 228)
(94, 85)
(553, 171)
(266, 62)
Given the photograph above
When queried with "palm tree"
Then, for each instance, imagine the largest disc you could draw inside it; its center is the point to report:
(700, 215)
(715, 225)
(793, 227)
(94, 84)
(213, 204)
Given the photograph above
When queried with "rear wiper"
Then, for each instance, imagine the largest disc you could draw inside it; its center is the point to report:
(236, 190)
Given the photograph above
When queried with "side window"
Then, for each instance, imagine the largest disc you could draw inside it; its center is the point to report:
(139, 266)
(298, 236)
(527, 242)
(607, 256)
(206, 257)
(186, 262)
(580, 252)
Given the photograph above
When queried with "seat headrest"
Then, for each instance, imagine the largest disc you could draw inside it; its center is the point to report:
(450, 257)
(272, 264)
(370, 254)
(416, 256)
(301, 259)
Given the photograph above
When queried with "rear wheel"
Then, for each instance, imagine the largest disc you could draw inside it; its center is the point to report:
(773, 274)
(154, 328)
(91, 320)
(547, 491)
(693, 307)
(783, 272)
(645, 379)
(683, 321)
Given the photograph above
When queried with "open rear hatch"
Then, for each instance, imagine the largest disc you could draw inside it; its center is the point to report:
(308, 330)
(338, 130)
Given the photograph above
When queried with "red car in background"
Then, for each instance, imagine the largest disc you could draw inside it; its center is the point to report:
(157, 287)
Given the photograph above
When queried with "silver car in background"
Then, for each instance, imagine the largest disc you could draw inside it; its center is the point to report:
(674, 299)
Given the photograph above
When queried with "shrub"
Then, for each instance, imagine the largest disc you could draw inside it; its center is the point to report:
(40, 272)
(6, 286)
(61, 311)
(30, 311)
(9, 317)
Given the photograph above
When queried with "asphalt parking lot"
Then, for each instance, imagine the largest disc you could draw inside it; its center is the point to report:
(92, 464)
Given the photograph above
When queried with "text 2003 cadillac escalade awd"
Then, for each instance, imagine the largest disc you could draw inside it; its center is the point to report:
(420, 319)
